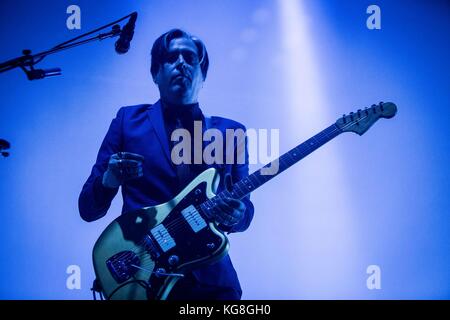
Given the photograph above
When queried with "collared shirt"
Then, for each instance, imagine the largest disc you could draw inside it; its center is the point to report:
(183, 116)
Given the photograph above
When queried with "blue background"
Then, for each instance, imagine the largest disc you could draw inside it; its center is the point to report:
(380, 199)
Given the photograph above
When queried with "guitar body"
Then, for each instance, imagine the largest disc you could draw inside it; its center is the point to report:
(136, 254)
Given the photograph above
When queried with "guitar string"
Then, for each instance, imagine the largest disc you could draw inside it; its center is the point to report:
(179, 222)
(222, 194)
(174, 225)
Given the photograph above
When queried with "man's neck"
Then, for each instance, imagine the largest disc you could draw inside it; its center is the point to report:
(178, 100)
(178, 106)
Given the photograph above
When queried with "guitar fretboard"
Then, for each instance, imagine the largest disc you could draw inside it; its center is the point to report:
(258, 178)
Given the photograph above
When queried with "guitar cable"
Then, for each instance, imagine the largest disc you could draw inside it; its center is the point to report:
(143, 283)
(96, 287)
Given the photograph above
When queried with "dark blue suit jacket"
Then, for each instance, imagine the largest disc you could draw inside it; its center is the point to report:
(140, 129)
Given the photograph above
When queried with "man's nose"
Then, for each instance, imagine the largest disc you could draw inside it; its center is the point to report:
(180, 64)
(180, 60)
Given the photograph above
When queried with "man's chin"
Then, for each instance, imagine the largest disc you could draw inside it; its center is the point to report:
(179, 89)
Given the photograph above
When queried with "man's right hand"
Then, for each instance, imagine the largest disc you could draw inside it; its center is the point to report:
(122, 166)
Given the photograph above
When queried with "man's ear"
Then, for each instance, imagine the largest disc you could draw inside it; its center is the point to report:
(156, 77)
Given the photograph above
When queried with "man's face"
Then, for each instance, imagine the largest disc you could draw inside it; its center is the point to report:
(179, 78)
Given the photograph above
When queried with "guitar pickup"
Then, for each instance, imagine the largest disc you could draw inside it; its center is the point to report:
(163, 238)
(193, 218)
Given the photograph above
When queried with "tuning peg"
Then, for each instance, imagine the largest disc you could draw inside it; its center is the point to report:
(381, 106)
(374, 108)
(359, 112)
(344, 119)
(351, 116)
(366, 111)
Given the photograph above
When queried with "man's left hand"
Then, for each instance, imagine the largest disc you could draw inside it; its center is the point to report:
(228, 211)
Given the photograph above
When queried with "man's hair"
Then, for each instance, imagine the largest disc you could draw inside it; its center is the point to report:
(161, 47)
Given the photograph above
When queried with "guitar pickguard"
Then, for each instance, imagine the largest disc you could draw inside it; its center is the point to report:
(143, 253)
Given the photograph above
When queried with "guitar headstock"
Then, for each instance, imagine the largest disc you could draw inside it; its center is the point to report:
(360, 121)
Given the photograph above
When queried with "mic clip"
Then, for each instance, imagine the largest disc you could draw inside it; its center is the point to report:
(34, 74)
(4, 145)
(115, 31)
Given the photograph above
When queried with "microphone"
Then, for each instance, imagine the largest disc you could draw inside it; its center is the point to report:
(123, 43)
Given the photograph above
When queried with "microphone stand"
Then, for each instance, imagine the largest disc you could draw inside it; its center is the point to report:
(27, 61)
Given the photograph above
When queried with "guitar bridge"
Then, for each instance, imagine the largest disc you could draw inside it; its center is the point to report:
(121, 265)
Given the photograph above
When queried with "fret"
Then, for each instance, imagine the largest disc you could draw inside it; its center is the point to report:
(293, 154)
(227, 194)
(256, 184)
(287, 158)
(238, 189)
(264, 178)
(284, 162)
(242, 187)
(249, 185)
(220, 195)
(257, 179)
(211, 203)
(321, 135)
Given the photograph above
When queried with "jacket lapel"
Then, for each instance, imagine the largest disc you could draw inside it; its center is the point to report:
(156, 119)
(210, 122)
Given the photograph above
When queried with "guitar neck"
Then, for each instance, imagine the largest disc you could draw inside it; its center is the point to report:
(358, 122)
(258, 178)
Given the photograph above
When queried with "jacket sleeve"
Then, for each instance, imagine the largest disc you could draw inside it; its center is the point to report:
(95, 199)
(239, 170)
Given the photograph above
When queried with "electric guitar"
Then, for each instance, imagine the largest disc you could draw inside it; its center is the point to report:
(143, 253)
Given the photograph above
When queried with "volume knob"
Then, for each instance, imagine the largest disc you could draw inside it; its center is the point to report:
(173, 260)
